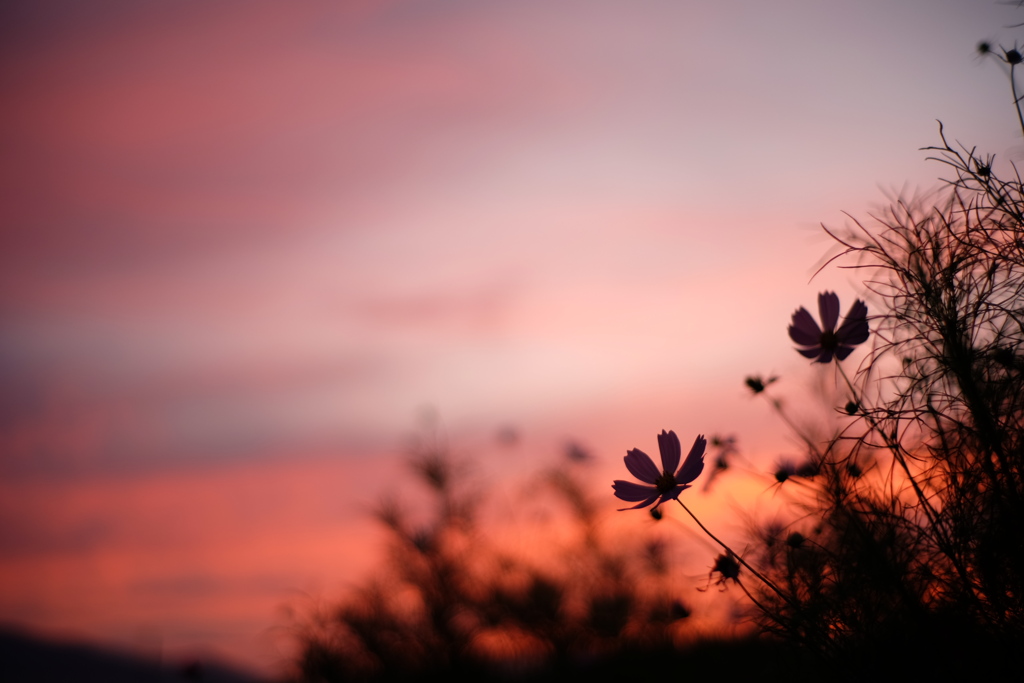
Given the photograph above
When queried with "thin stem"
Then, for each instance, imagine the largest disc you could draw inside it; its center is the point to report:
(1016, 99)
(893, 447)
(777, 617)
(930, 512)
(739, 558)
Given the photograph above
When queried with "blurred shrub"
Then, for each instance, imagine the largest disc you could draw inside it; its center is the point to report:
(451, 601)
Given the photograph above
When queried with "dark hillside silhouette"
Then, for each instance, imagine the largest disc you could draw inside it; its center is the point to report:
(29, 659)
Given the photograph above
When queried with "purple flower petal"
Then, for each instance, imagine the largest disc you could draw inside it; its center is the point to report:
(632, 492)
(804, 331)
(668, 443)
(673, 494)
(828, 309)
(825, 343)
(642, 504)
(812, 352)
(854, 329)
(694, 463)
(843, 351)
(641, 466)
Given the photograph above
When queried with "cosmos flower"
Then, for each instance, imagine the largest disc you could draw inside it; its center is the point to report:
(826, 341)
(666, 484)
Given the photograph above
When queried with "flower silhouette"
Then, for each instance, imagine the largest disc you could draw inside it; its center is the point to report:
(666, 484)
(826, 341)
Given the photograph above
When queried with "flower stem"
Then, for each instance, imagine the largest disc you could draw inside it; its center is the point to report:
(739, 559)
(775, 617)
(1016, 98)
(893, 447)
(930, 512)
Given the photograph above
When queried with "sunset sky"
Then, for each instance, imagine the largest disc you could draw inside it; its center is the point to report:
(244, 245)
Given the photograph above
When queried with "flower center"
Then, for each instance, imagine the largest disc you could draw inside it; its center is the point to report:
(829, 341)
(665, 483)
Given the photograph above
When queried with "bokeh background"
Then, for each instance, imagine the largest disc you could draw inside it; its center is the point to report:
(245, 246)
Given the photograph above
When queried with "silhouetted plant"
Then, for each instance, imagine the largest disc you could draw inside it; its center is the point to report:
(909, 532)
(907, 520)
(921, 497)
